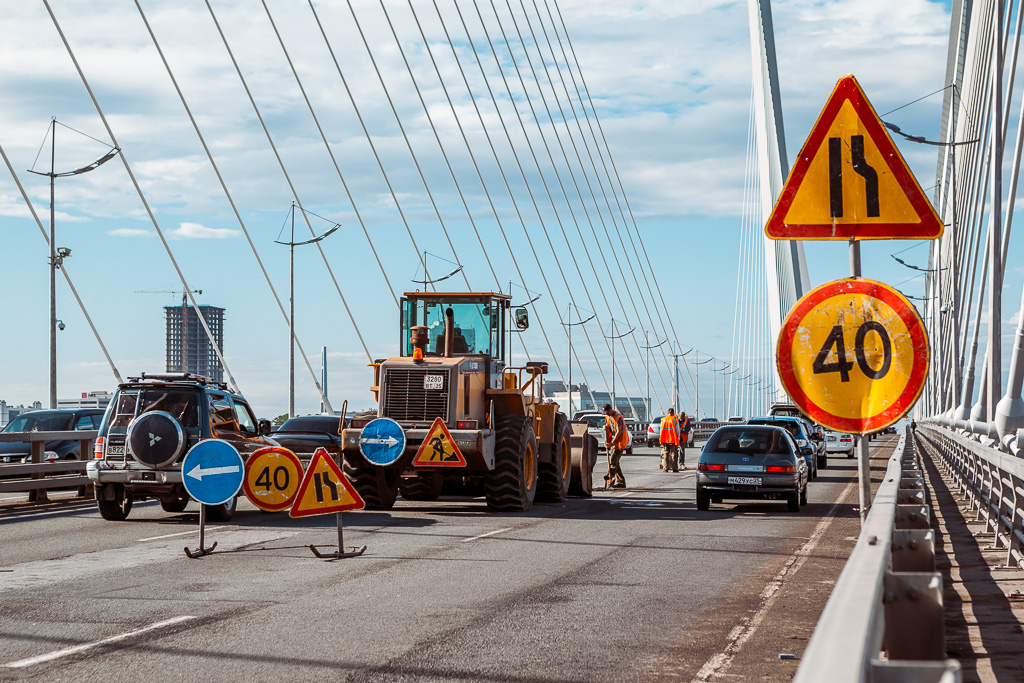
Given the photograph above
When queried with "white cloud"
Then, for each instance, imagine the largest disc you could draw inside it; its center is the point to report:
(130, 232)
(193, 231)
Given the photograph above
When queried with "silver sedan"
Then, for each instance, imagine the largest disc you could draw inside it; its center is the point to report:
(748, 461)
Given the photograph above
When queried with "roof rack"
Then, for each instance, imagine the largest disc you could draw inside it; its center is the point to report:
(179, 377)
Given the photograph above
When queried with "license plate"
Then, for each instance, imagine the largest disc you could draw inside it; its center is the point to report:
(115, 450)
(750, 481)
(433, 382)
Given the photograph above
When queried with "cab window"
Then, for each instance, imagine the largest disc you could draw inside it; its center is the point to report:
(478, 326)
(222, 415)
(245, 418)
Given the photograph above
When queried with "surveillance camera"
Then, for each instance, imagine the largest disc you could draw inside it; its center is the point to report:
(63, 252)
(60, 325)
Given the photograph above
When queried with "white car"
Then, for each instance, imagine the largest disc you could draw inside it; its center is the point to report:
(836, 442)
(595, 428)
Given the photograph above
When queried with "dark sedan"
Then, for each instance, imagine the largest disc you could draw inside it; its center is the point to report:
(83, 419)
(798, 430)
(751, 461)
(303, 435)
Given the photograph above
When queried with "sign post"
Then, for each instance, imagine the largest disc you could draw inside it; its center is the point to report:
(212, 473)
(325, 489)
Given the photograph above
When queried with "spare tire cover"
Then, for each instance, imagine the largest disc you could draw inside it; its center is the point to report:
(155, 439)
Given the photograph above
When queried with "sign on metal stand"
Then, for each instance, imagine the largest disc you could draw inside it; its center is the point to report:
(212, 473)
(325, 489)
(853, 353)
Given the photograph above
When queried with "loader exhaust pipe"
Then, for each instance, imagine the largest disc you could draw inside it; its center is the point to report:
(449, 332)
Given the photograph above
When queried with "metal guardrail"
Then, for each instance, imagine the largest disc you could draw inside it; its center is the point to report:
(993, 483)
(884, 621)
(703, 430)
(33, 477)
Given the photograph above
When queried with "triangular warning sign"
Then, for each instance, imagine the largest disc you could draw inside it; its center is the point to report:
(439, 449)
(324, 489)
(850, 181)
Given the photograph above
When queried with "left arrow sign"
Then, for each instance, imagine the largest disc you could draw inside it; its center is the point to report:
(198, 472)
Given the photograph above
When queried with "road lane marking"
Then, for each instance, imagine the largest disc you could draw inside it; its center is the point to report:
(489, 533)
(183, 533)
(741, 633)
(57, 654)
(623, 495)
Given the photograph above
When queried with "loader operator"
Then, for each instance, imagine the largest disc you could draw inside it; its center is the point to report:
(669, 440)
(616, 441)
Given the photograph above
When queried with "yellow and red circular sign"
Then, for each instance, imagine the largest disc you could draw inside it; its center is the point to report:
(853, 355)
(272, 478)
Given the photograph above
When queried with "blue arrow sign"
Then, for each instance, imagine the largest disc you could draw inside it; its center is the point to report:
(212, 472)
(382, 441)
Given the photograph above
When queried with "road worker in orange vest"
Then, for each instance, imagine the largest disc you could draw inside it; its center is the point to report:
(616, 441)
(669, 441)
(685, 424)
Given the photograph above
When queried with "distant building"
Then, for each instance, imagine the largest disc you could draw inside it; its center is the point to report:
(92, 399)
(8, 413)
(199, 357)
(582, 398)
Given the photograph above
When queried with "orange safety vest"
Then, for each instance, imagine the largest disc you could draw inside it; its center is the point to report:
(668, 430)
(610, 426)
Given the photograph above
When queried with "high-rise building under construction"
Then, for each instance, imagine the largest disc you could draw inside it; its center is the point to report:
(199, 356)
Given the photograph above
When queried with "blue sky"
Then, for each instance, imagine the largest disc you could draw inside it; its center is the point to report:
(671, 83)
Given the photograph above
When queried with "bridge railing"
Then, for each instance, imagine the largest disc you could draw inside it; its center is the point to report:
(889, 596)
(991, 481)
(35, 476)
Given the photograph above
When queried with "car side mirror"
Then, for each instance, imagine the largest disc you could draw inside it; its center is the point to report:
(264, 427)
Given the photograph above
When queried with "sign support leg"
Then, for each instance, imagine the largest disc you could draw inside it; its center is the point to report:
(202, 549)
(341, 554)
(864, 476)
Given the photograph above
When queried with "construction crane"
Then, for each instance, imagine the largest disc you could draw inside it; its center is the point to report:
(184, 317)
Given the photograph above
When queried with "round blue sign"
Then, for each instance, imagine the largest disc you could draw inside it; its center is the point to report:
(382, 441)
(212, 472)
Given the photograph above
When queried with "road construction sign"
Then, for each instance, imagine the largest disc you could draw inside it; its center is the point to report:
(382, 441)
(850, 181)
(325, 489)
(853, 355)
(439, 449)
(212, 472)
(272, 478)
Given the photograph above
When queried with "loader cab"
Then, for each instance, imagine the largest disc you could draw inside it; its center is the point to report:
(478, 327)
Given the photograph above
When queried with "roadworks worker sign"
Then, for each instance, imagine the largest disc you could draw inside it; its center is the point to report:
(272, 478)
(850, 181)
(325, 489)
(853, 355)
(439, 449)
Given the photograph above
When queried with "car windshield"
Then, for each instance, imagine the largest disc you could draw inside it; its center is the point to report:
(182, 404)
(594, 420)
(755, 440)
(42, 422)
(478, 326)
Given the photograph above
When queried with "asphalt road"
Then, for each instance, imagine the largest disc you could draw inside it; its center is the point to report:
(628, 585)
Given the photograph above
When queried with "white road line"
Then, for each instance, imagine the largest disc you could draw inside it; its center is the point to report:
(183, 533)
(489, 533)
(720, 663)
(57, 654)
(623, 495)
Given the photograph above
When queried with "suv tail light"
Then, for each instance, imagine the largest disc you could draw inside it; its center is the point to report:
(780, 469)
(97, 448)
(710, 467)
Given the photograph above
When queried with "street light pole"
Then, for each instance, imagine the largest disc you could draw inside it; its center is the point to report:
(613, 337)
(648, 368)
(696, 409)
(568, 331)
(675, 382)
(291, 244)
(727, 393)
(57, 255)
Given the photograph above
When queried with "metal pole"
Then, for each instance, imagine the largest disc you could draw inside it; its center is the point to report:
(323, 377)
(53, 270)
(568, 332)
(995, 260)
(675, 383)
(863, 448)
(291, 318)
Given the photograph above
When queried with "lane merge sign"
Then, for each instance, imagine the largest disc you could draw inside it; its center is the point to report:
(439, 449)
(212, 472)
(325, 489)
(272, 478)
(850, 180)
(382, 441)
(853, 355)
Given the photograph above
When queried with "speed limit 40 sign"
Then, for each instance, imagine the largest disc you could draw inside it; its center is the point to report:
(853, 355)
(272, 478)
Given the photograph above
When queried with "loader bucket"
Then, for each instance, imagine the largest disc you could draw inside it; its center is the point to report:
(584, 457)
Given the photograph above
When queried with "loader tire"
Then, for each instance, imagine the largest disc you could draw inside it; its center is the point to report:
(553, 477)
(512, 485)
(378, 487)
(427, 486)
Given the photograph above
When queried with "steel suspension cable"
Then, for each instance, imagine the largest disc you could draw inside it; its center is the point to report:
(142, 197)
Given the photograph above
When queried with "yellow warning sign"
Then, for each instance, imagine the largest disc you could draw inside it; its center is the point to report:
(850, 181)
(272, 477)
(325, 489)
(439, 449)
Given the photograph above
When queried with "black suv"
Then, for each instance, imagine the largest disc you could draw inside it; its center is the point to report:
(148, 428)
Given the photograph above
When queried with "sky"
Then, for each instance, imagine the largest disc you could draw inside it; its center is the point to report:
(670, 82)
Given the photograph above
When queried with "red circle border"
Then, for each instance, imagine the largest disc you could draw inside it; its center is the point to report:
(245, 479)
